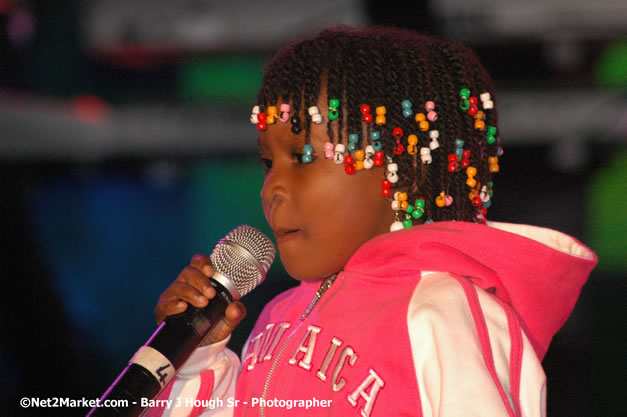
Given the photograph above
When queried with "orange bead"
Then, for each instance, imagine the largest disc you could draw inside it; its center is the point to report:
(380, 110)
(420, 117)
(479, 124)
(424, 125)
(272, 111)
(402, 196)
(471, 182)
(471, 171)
(380, 120)
(404, 205)
(440, 200)
(494, 168)
(412, 139)
(493, 160)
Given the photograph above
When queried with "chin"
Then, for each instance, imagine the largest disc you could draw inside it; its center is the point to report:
(301, 272)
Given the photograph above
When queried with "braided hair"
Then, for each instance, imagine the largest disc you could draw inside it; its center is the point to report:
(383, 67)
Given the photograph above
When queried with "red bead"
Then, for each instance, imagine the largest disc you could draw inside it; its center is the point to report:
(452, 167)
(472, 110)
(350, 169)
(386, 184)
(367, 118)
(466, 154)
(452, 158)
(364, 108)
(262, 126)
(349, 159)
(378, 155)
(386, 192)
(397, 132)
(476, 201)
(378, 162)
(484, 211)
(399, 148)
(465, 163)
(261, 117)
(473, 101)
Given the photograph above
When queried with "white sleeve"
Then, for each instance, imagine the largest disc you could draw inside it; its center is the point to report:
(203, 387)
(456, 375)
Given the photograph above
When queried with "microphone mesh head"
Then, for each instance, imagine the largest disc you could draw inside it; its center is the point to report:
(243, 257)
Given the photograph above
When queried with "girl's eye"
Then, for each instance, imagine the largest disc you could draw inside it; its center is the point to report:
(265, 163)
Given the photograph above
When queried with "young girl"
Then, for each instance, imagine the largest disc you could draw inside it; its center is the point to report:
(379, 148)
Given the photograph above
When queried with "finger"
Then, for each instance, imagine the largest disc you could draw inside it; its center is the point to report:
(234, 314)
(198, 280)
(202, 263)
(168, 308)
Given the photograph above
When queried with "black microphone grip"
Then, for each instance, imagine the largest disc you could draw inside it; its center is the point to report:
(175, 339)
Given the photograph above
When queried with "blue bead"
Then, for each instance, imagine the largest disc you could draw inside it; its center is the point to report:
(459, 143)
(459, 152)
(406, 104)
(308, 149)
(407, 113)
(352, 147)
(376, 145)
(353, 137)
(487, 203)
(306, 159)
(375, 135)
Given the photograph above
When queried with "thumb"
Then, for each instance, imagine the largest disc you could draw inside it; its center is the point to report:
(234, 314)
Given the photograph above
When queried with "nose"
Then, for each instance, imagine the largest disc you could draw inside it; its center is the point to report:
(273, 191)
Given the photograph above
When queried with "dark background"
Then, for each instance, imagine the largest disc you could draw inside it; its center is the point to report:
(125, 148)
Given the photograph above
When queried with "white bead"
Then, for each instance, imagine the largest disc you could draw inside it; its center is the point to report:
(368, 163)
(484, 194)
(254, 119)
(392, 177)
(396, 226)
(316, 118)
(255, 109)
(425, 155)
(392, 167)
(339, 153)
(396, 205)
(487, 105)
(434, 134)
(434, 144)
(485, 96)
(313, 110)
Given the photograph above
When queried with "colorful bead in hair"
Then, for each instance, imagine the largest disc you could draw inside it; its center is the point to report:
(261, 124)
(407, 108)
(425, 155)
(307, 154)
(491, 135)
(434, 144)
(378, 159)
(315, 115)
(471, 181)
(339, 153)
(432, 116)
(272, 115)
(349, 166)
(421, 119)
(368, 157)
(412, 142)
(380, 111)
(285, 113)
(254, 119)
(418, 209)
(486, 101)
(359, 159)
(328, 150)
(334, 105)
(375, 137)
(296, 127)
(392, 175)
(464, 94)
(365, 111)
(353, 142)
(493, 164)
(398, 135)
(386, 188)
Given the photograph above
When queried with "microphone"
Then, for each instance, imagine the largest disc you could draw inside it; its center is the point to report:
(240, 261)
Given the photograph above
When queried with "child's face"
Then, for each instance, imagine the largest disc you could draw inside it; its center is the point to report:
(319, 214)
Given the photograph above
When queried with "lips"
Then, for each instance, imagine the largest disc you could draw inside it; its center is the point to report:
(285, 234)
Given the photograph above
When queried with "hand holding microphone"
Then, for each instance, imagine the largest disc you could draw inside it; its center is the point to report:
(238, 264)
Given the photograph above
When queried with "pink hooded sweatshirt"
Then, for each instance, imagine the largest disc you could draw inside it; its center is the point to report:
(443, 319)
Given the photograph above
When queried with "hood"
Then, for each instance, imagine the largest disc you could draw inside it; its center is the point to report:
(538, 271)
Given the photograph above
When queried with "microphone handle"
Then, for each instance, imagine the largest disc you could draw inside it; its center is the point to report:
(156, 363)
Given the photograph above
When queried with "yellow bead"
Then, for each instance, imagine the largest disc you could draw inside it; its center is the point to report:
(271, 119)
(359, 165)
(420, 117)
(380, 110)
(424, 125)
(359, 155)
(479, 124)
(440, 200)
(272, 111)
(380, 120)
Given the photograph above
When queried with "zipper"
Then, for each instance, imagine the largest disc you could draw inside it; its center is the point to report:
(326, 284)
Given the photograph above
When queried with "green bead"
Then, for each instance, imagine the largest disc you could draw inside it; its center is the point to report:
(464, 93)
(407, 223)
(464, 104)
(333, 114)
(334, 103)
(491, 131)
(409, 208)
(490, 139)
(418, 213)
(420, 203)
